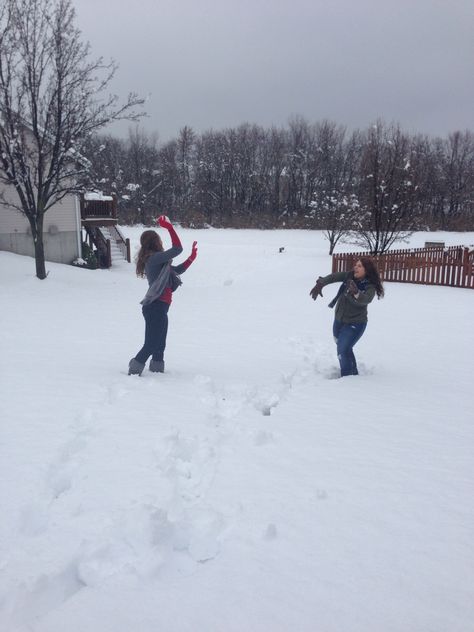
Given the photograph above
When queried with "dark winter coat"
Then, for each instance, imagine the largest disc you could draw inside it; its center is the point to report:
(348, 308)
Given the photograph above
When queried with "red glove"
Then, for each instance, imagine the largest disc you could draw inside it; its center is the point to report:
(164, 222)
(194, 251)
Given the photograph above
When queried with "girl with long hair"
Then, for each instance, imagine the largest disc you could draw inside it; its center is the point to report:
(359, 286)
(154, 263)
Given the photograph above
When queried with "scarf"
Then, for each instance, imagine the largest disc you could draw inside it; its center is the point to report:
(166, 278)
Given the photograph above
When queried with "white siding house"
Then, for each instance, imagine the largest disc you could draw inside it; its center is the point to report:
(91, 217)
(61, 231)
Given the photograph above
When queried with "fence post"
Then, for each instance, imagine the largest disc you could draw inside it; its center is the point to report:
(465, 267)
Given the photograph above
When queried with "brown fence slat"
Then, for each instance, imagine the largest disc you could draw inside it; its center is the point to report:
(453, 266)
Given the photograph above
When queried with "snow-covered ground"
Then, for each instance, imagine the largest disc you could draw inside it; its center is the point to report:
(244, 490)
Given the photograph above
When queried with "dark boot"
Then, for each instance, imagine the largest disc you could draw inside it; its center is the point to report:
(157, 366)
(135, 367)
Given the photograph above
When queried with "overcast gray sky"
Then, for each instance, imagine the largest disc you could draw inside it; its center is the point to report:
(219, 63)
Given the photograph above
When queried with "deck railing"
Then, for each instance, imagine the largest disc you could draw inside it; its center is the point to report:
(99, 209)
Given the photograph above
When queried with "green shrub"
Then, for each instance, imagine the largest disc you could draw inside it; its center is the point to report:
(88, 259)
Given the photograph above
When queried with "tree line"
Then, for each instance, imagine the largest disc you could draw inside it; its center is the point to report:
(378, 183)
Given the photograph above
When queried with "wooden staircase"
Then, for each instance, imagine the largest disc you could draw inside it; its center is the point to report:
(99, 220)
(119, 247)
(110, 244)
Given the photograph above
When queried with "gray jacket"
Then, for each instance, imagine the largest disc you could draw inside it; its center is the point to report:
(348, 308)
(160, 273)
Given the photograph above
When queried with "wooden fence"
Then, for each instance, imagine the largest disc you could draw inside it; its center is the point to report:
(452, 266)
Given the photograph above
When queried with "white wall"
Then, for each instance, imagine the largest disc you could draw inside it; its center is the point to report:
(60, 230)
(61, 215)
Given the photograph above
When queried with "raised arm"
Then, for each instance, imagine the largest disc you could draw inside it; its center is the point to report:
(176, 247)
(182, 267)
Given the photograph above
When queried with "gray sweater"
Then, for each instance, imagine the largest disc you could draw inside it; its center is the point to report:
(158, 269)
(155, 262)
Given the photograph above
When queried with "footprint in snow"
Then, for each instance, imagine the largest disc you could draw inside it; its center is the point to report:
(59, 478)
(265, 402)
(188, 463)
(45, 594)
(271, 533)
(197, 532)
(264, 438)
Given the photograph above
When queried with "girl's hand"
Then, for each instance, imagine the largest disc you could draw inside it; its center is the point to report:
(317, 290)
(164, 222)
(353, 289)
(194, 250)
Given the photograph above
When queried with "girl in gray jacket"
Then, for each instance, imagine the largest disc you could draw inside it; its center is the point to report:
(358, 289)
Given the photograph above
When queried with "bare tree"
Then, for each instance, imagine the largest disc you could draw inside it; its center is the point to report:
(213, 176)
(301, 168)
(51, 100)
(185, 148)
(387, 189)
(107, 155)
(276, 149)
(459, 170)
(141, 176)
(334, 194)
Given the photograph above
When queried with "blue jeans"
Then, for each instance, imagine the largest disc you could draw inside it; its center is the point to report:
(346, 335)
(156, 328)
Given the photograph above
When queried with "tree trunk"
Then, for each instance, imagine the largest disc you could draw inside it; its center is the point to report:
(37, 232)
(39, 258)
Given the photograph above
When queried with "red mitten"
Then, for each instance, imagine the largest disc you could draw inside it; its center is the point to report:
(164, 222)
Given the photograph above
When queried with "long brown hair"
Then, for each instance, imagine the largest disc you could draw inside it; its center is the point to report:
(150, 243)
(372, 275)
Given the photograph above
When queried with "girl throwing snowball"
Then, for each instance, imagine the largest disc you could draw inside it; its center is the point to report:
(358, 288)
(154, 263)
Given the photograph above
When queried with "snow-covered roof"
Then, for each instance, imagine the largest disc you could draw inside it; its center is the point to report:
(97, 196)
